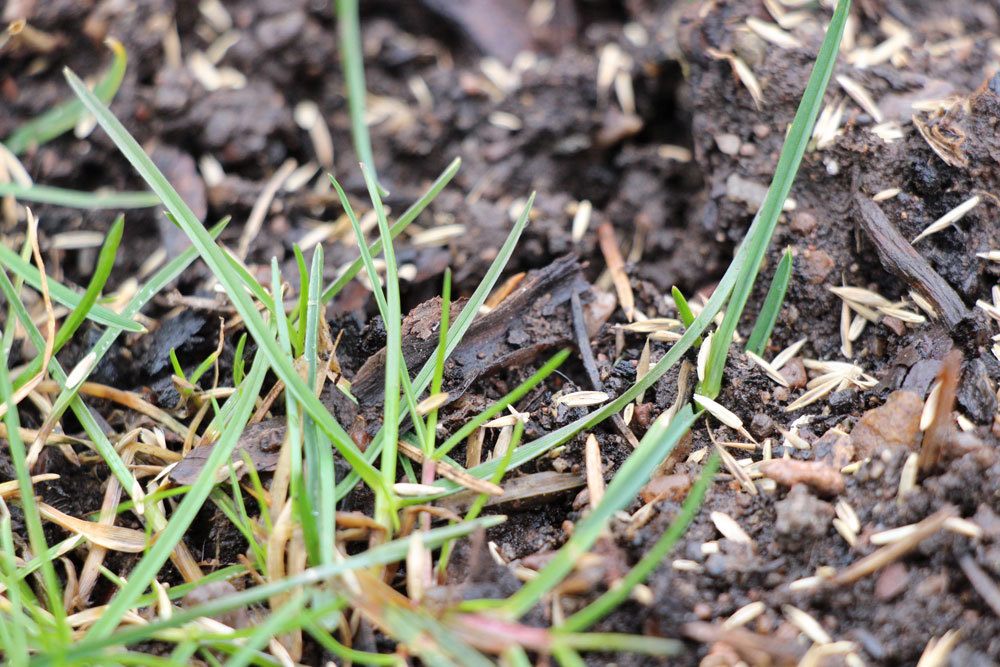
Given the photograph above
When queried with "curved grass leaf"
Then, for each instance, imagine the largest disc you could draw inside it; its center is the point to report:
(64, 117)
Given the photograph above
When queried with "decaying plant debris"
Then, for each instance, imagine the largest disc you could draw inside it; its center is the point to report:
(854, 519)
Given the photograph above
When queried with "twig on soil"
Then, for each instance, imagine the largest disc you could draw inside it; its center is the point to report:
(616, 267)
(982, 582)
(899, 257)
(892, 552)
(590, 365)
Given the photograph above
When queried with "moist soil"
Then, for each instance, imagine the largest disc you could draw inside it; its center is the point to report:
(674, 153)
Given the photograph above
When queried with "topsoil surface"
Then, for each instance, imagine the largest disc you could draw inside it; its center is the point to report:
(639, 108)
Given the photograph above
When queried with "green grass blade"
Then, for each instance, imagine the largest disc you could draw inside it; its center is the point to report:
(684, 310)
(221, 267)
(393, 347)
(32, 518)
(303, 497)
(64, 117)
(44, 194)
(658, 442)
(352, 63)
(319, 455)
(14, 263)
(69, 398)
(437, 380)
(772, 305)
(409, 215)
(499, 406)
(102, 271)
(455, 333)
(263, 633)
(650, 560)
(299, 340)
(788, 165)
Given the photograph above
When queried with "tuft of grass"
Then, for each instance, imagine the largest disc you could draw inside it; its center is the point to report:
(768, 314)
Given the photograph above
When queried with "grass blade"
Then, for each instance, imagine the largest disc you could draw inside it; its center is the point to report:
(102, 271)
(64, 117)
(650, 560)
(319, 455)
(772, 305)
(658, 442)
(353, 64)
(44, 194)
(781, 185)
(409, 215)
(748, 254)
(390, 552)
(32, 517)
(62, 294)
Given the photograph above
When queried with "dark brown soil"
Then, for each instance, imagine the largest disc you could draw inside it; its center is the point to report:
(682, 218)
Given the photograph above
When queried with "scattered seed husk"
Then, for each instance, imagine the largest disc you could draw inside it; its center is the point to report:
(582, 399)
(723, 415)
(703, 352)
(436, 236)
(685, 565)
(991, 256)
(885, 195)
(851, 537)
(744, 615)
(616, 267)
(581, 220)
(409, 489)
(907, 476)
(808, 625)
(949, 218)
(432, 402)
(772, 33)
(595, 474)
(938, 650)
(787, 354)
(114, 538)
(771, 371)
(652, 325)
(896, 550)
(729, 529)
(861, 96)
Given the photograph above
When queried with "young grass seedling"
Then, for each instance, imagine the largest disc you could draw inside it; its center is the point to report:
(768, 315)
